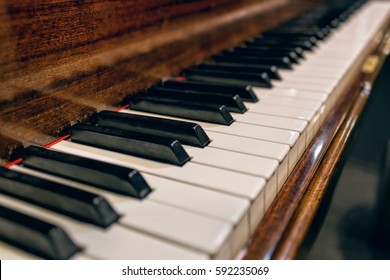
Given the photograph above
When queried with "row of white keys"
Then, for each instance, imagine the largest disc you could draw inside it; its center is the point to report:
(254, 147)
(201, 233)
(157, 216)
(290, 113)
(216, 205)
(244, 186)
(298, 91)
(115, 242)
(302, 100)
(233, 161)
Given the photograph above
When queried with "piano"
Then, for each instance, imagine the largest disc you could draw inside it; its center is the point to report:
(177, 129)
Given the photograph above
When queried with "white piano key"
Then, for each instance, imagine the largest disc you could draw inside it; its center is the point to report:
(212, 204)
(248, 146)
(233, 161)
(113, 243)
(182, 227)
(253, 147)
(326, 104)
(321, 67)
(282, 111)
(258, 132)
(320, 73)
(320, 61)
(307, 80)
(269, 195)
(295, 93)
(293, 124)
(198, 200)
(289, 102)
(331, 54)
(312, 128)
(8, 252)
(291, 84)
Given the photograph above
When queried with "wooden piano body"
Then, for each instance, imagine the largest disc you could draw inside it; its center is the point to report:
(62, 61)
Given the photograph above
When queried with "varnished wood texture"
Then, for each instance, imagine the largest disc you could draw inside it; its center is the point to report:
(287, 222)
(61, 61)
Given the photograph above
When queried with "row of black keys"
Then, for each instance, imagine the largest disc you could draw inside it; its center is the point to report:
(160, 139)
(256, 61)
(210, 91)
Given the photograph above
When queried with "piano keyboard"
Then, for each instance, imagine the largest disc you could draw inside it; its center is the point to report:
(200, 197)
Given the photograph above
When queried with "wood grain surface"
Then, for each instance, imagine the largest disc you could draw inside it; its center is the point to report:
(61, 61)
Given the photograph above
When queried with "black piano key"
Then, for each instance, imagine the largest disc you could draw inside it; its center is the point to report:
(232, 102)
(100, 174)
(318, 33)
(250, 53)
(266, 42)
(282, 63)
(132, 143)
(297, 50)
(245, 92)
(35, 236)
(264, 52)
(73, 202)
(243, 79)
(291, 36)
(186, 132)
(343, 17)
(272, 71)
(212, 113)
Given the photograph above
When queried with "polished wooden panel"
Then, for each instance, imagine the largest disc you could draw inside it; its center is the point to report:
(68, 59)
